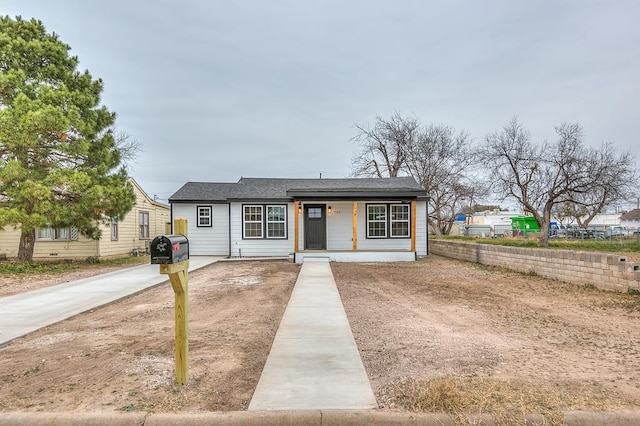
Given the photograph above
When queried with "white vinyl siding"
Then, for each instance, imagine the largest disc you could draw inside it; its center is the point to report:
(339, 226)
(340, 229)
(206, 241)
(421, 228)
(215, 240)
(258, 247)
(367, 243)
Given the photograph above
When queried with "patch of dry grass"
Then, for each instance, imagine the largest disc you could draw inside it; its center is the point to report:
(509, 402)
(628, 304)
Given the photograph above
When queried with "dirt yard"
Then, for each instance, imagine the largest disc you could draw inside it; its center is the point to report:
(433, 328)
(120, 357)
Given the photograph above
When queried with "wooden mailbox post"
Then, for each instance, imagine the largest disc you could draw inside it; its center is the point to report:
(170, 254)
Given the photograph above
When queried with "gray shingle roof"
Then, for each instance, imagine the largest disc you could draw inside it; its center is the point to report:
(287, 189)
(203, 191)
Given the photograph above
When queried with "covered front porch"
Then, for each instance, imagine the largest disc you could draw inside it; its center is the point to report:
(354, 256)
(367, 230)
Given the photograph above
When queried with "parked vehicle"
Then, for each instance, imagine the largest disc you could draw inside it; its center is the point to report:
(616, 231)
(557, 230)
(580, 233)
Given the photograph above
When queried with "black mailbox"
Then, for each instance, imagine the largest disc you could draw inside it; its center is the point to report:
(168, 249)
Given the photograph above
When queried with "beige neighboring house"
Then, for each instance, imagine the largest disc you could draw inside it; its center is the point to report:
(122, 238)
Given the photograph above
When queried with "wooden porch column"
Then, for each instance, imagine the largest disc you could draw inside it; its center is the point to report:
(296, 225)
(413, 225)
(354, 232)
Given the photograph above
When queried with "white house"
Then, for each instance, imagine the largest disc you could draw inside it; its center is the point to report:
(631, 220)
(371, 219)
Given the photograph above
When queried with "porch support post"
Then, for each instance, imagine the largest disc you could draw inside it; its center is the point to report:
(413, 225)
(296, 224)
(354, 232)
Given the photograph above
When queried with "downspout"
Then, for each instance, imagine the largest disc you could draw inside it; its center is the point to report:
(414, 222)
(229, 218)
(296, 229)
(427, 220)
(171, 218)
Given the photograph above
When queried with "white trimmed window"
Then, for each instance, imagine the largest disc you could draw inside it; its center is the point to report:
(399, 220)
(264, 221)
(276, 222)
(388, 221)
(205, 215)
(252, 221)
(377, 221)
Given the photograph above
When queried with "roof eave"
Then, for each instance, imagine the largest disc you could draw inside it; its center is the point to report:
(359, 194)
(196, 200)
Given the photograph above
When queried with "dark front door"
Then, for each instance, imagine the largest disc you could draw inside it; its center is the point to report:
(315, 227)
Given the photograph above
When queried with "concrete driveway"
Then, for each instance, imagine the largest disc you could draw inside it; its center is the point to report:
(27, 312)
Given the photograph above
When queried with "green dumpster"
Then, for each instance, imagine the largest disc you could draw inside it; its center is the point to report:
(522, 225)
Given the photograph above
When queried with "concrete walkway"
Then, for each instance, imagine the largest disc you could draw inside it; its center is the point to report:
(26, 312)
(314, 362)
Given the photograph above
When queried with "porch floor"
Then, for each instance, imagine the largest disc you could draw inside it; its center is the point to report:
(356, 256)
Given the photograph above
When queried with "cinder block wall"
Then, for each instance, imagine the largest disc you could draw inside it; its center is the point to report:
(604, 271)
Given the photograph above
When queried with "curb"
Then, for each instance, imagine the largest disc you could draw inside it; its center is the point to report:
(295, 418)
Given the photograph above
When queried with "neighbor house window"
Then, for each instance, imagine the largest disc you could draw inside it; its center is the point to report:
(388, 221)
(143, 225)
(44, 233)
(57, 234)
(377, 221)
(114, 229)
(258, 218)
(204, 216)
(399, 220)
(62, 234)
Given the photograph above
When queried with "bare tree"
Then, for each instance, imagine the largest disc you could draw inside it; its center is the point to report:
(384, 147)
(435, 156)
(543, 176)
(128, 146)
(443, 163)
(612, 174)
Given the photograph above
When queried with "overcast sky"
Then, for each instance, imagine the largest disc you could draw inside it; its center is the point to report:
(216, 90)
